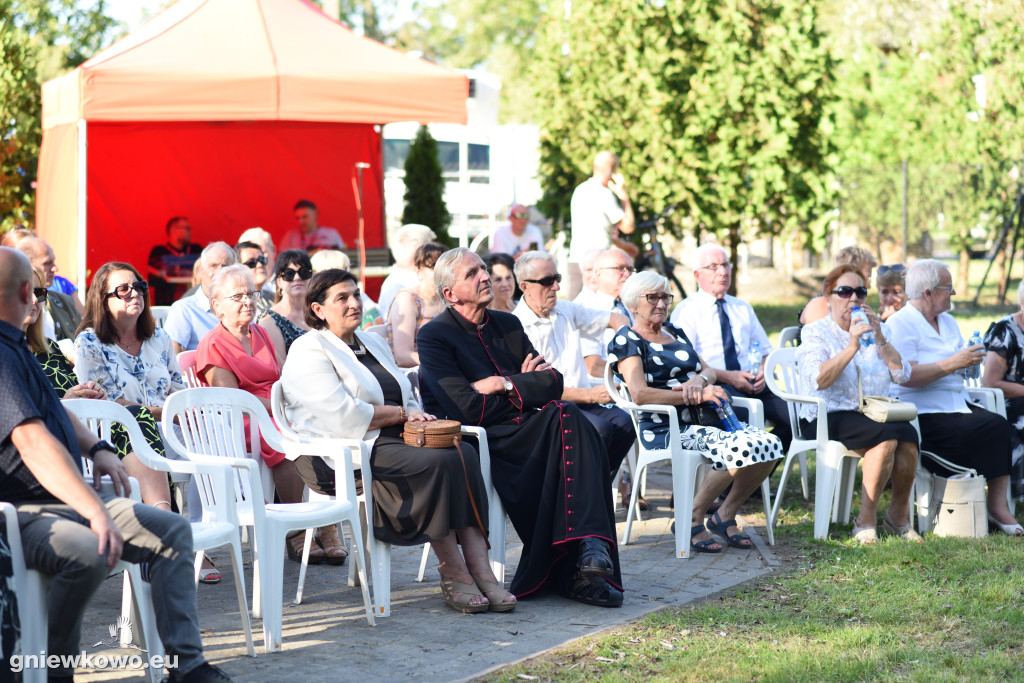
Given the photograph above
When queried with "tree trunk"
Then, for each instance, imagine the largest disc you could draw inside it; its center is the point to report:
(734, 256)
(1002, 259)
(965, 264)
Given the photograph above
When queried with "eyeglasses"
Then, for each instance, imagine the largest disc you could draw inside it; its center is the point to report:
(846, 291)
(952, 292)
(621, 269)
(655, 299)
(252, 296)
(40, 293)
(253, 262)
(895, 268)
(288, 274)
(520, 215)
(713, 267)
(546, 281)
(125, 291)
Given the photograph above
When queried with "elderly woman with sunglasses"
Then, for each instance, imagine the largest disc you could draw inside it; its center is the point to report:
(833, 358)
(929, 339)
(285, 321)
(659, 365)
(252, 257)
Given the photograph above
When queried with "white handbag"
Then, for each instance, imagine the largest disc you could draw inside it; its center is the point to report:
(955, 505)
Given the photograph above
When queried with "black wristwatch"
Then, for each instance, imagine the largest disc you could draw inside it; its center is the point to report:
(101, 445)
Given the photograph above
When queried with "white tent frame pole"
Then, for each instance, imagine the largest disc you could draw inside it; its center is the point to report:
(82, 206)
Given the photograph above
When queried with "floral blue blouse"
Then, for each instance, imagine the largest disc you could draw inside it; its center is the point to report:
(147, 379)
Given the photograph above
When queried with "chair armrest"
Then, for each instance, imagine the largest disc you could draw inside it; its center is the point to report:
(755, 410)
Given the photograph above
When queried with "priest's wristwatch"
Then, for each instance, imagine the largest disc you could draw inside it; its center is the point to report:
(101, 445)
(508, 385)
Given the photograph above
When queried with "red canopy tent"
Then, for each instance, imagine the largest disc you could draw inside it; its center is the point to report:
(225, 111)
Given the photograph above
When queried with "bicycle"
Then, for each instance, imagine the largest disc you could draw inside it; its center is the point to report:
(652, 256)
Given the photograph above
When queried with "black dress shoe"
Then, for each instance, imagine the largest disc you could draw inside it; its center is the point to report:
(204, 673)
(590, 589)
(595, 558)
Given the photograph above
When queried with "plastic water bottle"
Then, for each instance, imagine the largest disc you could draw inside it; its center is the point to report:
(727, 417)
(973, 371)
(754, 358)
(857, 315)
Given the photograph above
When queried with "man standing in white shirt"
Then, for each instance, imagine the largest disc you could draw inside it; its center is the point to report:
(403, 275)
(307, 235)
(600, 211)
(723, 329)
(555, 327)
(611, 270)
(518, 236)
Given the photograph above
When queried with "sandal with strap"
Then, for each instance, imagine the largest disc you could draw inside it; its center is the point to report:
(866, 535)
(496, 595)
(701, 546)
(1008, 529)
(590, 589)
(466, 592)
(716, 525)
(334, 550)
(906, 532)
(293, 544)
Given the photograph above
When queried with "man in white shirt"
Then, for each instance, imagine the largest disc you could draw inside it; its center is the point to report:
(403, 275)
(555, 328)
(190, 318)
(518, 236)
(600, 211)
(723, 329)
(611, 270)
(307, 235)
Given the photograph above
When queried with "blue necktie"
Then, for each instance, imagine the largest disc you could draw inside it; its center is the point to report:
(732, 361)
(620, 307)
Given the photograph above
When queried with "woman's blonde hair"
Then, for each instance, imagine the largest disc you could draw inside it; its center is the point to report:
(34, 333)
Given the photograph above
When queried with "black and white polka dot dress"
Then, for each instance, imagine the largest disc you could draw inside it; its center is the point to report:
(669, 365)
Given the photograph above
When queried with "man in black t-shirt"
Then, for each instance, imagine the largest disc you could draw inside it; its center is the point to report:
(68, 531)
(178, 246)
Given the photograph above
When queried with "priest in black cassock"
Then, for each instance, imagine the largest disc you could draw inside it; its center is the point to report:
(548, 464)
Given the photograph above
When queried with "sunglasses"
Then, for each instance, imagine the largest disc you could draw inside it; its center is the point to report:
(520, 215)
(40, 293)
(125, 291)
(546, 281)
(896, 268)
(253, 262)
(288, 274)
(654, 299)
(846, 291)
(252, 296)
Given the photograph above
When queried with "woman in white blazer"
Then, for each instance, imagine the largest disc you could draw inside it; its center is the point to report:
(343, 383)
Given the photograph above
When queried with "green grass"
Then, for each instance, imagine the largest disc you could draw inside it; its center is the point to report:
(946, 610)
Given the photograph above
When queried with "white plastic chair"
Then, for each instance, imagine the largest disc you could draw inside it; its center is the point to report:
(218, 527)
(686, 464)
(789, 336)
(212, 423)
(187, 363)
(160, 314)
(379, 551)
(67, 347)
(783, 378)
(33, 586)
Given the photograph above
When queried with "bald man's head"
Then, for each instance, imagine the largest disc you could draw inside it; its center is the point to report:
(16, 281)
(605, 164)
(41, 255)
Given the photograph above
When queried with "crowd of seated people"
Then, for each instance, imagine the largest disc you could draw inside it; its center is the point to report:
(497, 348)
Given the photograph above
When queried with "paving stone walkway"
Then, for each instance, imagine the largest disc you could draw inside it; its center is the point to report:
(327, 638)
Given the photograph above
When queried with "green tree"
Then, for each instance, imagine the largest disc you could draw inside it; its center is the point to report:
(424, 187)
(39, 40)
(718, 106)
